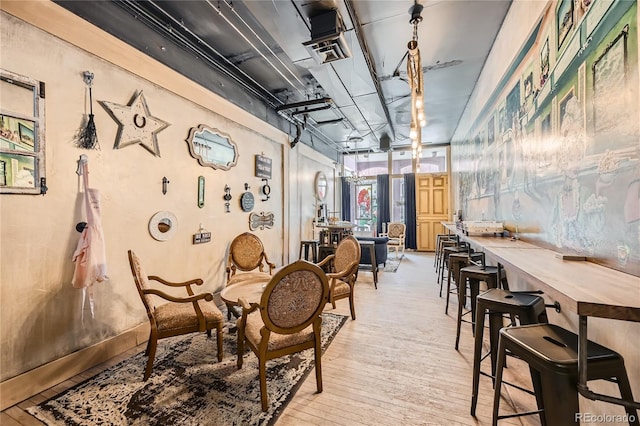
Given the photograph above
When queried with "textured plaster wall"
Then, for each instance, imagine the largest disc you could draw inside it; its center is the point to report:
(40, 314)
(569, 184)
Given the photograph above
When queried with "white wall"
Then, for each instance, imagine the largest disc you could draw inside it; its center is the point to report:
(40, 315)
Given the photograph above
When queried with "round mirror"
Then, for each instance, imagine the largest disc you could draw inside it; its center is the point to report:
(163, 225)
(321, 186)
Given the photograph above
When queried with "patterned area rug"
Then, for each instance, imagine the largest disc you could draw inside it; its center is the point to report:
(188, 386)
(392, 264)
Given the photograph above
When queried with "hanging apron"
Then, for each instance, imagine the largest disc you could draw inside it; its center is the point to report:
(90, 255)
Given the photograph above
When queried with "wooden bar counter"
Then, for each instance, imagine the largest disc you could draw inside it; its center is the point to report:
(579, 286)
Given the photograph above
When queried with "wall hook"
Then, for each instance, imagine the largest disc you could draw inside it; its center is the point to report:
(165, 182)
(80, 226)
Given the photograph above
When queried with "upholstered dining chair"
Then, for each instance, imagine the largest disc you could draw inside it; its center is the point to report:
(344, 271)
(396, 232)
(247, 261)
(180, 315)
(287, 320)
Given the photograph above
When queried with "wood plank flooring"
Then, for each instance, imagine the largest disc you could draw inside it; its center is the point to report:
(395, 364)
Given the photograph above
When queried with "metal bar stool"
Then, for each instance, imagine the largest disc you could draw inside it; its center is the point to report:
(457, 247)
(552, 354)
(439, 239)
(457, 261)
(526, 307)
(306, 244)
(444, 242)
(472, 276)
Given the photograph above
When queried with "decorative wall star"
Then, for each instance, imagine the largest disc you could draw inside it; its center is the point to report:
(137, 125)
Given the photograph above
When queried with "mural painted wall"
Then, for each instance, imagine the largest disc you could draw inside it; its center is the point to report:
(555, 152)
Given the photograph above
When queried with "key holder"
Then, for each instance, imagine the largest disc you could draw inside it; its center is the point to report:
(227, 197)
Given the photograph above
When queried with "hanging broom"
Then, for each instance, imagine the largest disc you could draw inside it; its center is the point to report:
(87, 136)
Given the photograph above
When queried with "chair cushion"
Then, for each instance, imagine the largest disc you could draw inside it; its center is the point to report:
(341, 288)
(176, 316)
(249, 276)
(276, 341)
(380, 249)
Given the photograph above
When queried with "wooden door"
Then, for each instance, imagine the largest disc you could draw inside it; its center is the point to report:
(432, 207)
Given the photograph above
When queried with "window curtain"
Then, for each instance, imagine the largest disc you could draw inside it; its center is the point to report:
(410, 240)
(383, 213)
(346, 200)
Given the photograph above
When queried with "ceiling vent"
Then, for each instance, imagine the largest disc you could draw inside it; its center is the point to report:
(327, 42)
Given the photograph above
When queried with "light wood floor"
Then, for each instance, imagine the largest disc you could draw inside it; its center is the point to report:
(395, 364)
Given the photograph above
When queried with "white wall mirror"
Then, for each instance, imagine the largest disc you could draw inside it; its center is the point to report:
(163, 225)
(321, 186)
(212, 148)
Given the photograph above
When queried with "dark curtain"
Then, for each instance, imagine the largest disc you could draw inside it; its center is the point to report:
(384, 215)
(410, 240)
(346, 200)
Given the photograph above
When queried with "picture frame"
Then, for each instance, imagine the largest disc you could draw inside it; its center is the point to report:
(564, 20)
(26, 134)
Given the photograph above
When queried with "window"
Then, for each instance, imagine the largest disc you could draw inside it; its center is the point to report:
(397, 199)
(433, 160)
(401, 162)
(21, 135)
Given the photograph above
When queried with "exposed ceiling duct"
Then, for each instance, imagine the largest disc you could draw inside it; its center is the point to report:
(327, 42)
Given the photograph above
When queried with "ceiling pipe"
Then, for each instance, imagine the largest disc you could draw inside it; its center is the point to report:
(357, 27)
(305, 104)
(308, 110)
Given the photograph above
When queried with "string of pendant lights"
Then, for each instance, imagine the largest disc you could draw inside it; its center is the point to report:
(416, 83)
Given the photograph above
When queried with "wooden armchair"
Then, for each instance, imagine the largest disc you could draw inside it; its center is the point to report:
(396, 232)
(287, 320)
(246, 254)
(181, 315)
(344, 271)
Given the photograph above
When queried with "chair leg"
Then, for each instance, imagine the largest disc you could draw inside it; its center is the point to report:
(462, 297)
(318, 357)
(151, 345)
(627, 395)
(219, 341)
(263, 383)
(240, 346)
(352, 305)
(229, 307)
(498, 381)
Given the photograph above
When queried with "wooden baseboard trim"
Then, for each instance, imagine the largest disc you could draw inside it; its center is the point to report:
(24, 386)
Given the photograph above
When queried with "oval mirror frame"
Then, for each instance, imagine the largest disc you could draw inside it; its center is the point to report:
(212, 148)
(163, 225)
(321, 185)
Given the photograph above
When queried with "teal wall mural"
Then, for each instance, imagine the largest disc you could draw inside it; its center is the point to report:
(556, 149)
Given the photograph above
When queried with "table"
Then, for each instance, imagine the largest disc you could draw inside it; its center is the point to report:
(578, 287)
(251, 290)
(371, 246)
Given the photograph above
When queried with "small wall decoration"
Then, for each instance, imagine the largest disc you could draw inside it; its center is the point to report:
(87, 136)
(137, 125)
(262, 220)
(22, 131)
(202, 236)
(263, 166)
(163, 225)
(227, 197)
(165, 184)
(266, 189)
(212, 148)
(201, 191)
(247, 201)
